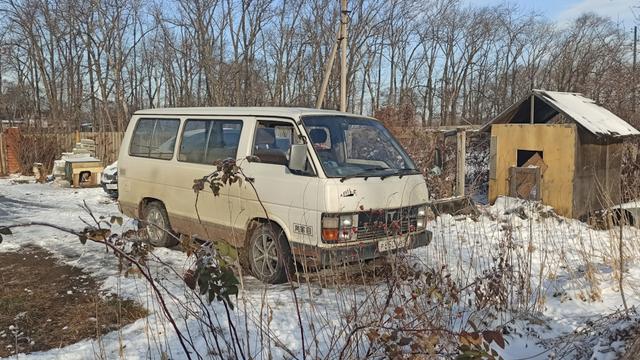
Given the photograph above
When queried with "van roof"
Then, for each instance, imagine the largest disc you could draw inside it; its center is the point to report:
(262, 111)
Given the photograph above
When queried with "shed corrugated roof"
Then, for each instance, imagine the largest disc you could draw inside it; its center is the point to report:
(584, 111)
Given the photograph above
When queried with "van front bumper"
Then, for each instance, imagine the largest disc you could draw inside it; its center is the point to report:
(338, 255)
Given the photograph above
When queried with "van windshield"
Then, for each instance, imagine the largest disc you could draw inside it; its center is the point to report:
(350, 146)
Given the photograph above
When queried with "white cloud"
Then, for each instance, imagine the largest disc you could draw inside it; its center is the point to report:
(618, 10)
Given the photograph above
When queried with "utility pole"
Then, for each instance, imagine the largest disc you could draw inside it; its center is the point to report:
(342, 40)
(344, 19)
(327, 72)
(633, 68)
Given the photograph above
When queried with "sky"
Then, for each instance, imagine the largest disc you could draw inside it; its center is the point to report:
(564, 11)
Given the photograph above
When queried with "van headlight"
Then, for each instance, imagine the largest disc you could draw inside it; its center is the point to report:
(421, 218)
(339, 228)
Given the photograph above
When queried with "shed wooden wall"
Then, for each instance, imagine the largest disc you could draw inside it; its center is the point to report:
(558, 144)
(598, 170)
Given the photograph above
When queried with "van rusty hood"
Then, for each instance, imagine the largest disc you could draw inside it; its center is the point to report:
(356, 194)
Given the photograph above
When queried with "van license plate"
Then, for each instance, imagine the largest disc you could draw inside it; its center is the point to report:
(391, 244)
(112, 186)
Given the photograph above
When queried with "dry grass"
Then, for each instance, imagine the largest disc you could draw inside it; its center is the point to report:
(38, 148)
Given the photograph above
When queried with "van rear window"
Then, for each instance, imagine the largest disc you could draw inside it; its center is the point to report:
(154, 138)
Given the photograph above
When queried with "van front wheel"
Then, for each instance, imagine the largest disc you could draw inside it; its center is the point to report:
(157, 225)
(269, 254)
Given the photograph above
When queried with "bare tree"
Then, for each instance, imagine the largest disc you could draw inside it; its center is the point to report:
(68, 62)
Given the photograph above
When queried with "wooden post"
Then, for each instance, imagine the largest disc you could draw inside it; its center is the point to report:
(3, 156)
(461, 142)
(531, 118)
(344, 19)
(608, 192)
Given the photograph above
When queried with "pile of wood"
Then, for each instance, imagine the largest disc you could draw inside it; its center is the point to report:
(86, 148)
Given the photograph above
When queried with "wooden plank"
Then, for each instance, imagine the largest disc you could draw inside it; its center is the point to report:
(493, 157)
(525, 182)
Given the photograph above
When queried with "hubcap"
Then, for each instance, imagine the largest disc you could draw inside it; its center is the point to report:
(156, 224)
(265, 255)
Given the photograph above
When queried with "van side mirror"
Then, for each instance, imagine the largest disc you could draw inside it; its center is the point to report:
(298, 157)
(437, 163)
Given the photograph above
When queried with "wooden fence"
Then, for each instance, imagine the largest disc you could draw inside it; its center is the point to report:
(107, 145)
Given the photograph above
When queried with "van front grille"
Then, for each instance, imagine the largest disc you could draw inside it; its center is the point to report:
(376, 224)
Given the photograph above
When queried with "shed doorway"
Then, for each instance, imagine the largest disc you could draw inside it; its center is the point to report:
(525, 179)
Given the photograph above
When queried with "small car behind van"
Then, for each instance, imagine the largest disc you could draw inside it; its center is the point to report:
(330, 187)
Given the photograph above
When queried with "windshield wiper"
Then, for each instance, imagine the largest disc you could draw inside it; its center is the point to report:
(401, 173)
(364, 173)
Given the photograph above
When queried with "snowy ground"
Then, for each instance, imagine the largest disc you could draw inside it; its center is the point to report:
(571, 267)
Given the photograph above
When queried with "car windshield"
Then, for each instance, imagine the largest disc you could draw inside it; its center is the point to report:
(350, 146)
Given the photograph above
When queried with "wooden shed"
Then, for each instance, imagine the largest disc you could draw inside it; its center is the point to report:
(560, 148)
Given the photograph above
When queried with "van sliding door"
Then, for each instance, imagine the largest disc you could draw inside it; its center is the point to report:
(203, 143)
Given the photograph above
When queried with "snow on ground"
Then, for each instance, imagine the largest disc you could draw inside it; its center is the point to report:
(571, 268)
(569, 262)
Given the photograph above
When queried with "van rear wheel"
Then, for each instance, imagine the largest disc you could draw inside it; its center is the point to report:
(269, 254)
(158, 226)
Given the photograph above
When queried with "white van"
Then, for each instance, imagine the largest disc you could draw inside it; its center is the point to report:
(336, 187)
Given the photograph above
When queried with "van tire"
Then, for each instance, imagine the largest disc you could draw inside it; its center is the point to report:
(623, 216)
(156, 221)
(275, 264)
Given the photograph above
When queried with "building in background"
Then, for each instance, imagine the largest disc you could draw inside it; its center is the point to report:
(560, 148)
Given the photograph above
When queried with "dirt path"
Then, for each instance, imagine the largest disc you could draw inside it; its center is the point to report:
(45, 304)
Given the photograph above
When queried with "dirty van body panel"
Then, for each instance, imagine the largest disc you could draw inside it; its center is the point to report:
(208, 230)
(212, 220)
(292, 201)
(358, 194)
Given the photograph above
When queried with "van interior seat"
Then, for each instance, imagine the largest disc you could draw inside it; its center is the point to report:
(266, 149)
(318, 137)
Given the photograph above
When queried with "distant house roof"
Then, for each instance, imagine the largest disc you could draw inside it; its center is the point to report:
(584, 111)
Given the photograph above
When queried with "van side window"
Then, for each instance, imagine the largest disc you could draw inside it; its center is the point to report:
(273, 141)
(206, 141)
(154, 138)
